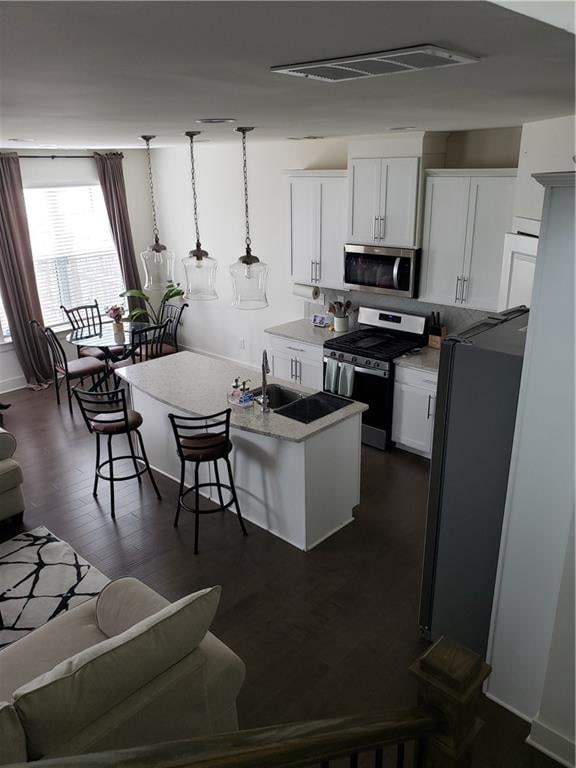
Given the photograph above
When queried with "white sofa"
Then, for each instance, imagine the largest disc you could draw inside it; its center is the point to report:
(123, 669)
(11, 499)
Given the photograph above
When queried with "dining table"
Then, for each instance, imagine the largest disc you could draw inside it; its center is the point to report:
(108, 337)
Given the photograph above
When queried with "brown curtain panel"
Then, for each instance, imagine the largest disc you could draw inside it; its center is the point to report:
(17, 279)
(111, 178)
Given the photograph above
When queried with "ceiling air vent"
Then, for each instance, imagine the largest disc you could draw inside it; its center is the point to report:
(374, 64)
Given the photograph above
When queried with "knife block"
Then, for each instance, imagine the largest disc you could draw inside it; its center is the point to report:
(435, 338)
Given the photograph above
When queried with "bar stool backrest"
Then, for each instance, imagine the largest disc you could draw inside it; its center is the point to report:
(147, 342)
(172, 312)
(200, 427)
(85, 317)
(112, 403)
(54, 347)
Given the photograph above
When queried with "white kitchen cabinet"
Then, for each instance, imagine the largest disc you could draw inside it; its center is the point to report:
(413, 410)
(297, 362)
(465, 219)
(518, 265)
(318, 228)
(383, 196)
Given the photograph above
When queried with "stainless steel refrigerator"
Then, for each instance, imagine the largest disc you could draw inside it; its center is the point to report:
(478, 383)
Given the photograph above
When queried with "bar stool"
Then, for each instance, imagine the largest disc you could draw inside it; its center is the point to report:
(201, 439)
(106, 415)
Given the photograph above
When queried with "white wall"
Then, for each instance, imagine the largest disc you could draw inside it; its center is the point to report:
(42, 173)
(490, 148)
(540, 498)
(215, 326)
(553, 729)
(546, 146)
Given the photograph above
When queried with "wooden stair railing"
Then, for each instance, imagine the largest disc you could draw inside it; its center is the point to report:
(443, 727)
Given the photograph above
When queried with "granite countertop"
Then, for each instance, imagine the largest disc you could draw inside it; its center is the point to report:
(425, 359)
(199, 385)
(304, 331)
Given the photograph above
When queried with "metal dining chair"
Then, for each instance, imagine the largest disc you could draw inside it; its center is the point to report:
(172, 312)
(201, 439)
(106, 415)
(88, 319)
(145, 344)
(70, 370)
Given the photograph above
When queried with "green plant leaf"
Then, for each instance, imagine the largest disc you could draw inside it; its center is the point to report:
(134, 314)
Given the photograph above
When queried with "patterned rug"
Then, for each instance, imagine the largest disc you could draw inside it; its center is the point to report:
(40, 577)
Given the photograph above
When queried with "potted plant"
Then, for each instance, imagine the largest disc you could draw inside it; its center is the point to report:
(340, 312)
(116, 313)
(149, 314)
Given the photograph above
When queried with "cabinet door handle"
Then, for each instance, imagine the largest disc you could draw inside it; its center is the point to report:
(464, 296)
(318, 271)
(291, 367)
(299, 370)
(296, 349)
(311, 271)
(374, 235)
(381, 227)
(458, 278)
(428, 408)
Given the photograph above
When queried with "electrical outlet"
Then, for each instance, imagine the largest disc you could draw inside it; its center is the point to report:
(242, 342)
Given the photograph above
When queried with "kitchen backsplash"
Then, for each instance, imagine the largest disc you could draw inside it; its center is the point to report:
(455, 318)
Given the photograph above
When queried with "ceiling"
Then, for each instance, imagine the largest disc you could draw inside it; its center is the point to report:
(99, 74)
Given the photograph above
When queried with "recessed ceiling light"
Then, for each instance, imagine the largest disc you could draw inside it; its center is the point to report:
(403, 128)
(305, 138)
(23, 140)
(216, 120)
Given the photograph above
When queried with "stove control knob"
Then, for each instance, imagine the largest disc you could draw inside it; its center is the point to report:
(332, 354)
(340, 356)
(367, 362)
(354, 359)
(376, 365)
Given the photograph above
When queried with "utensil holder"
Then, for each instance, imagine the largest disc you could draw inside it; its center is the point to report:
(340, 324)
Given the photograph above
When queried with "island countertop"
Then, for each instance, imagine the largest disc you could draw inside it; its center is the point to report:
(199, 385)
(304, 331)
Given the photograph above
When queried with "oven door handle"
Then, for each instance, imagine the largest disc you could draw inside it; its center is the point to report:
(360, 369)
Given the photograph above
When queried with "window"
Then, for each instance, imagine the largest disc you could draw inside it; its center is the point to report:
(4, 330)
(75, 258)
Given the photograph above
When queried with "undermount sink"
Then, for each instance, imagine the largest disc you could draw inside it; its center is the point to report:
(313, 407)
(277, 395)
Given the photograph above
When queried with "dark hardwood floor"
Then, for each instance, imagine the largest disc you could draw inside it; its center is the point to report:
(325, 633)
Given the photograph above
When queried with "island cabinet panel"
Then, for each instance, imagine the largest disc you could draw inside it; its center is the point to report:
(465, 221)
(382, 201)
(318, 228)
(413, 410)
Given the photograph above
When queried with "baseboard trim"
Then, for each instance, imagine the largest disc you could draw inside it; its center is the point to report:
(11, 385)
(501, 703)
(551, 743)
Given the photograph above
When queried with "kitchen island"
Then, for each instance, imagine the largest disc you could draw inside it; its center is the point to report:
(298, 481)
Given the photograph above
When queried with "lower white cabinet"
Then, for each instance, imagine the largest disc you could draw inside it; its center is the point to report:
(295, 361)
(413, 411)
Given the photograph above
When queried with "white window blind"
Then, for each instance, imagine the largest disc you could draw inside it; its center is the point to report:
(4, 330)
(75, 258)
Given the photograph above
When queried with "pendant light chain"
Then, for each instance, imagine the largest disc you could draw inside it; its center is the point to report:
(191, 135)
(155, 230)
(245, 171)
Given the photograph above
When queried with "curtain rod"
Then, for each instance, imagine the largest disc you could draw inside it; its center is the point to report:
(56, 157)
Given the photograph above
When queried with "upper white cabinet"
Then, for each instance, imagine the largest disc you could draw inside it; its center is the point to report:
(465, 219)
(318, 227)
(518, 265)
(383, 197)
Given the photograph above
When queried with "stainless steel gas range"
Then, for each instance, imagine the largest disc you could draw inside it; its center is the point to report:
(364, 360)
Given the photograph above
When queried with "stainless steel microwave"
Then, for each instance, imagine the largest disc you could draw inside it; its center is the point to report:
(393, 271)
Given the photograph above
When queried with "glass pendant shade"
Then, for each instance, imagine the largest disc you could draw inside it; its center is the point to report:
(200, 271)
(157, 259)
(249, 282)
(158, 266)
(249, 274)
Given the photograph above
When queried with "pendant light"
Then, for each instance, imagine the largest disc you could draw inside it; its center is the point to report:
(200, 269)
(158, 260)
(249, 274)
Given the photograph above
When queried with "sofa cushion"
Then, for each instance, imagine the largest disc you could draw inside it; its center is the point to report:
(58, 704)
(40, 651)
(7, 444)
(123, 603)
(12, 739)
(10, 475)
